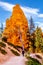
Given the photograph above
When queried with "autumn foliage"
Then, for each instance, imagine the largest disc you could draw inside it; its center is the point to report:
(16, 28)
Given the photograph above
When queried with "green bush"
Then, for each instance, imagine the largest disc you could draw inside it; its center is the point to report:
(15, 52)
(16, 47)
(4, 39)
(3, 51)
(11, 44)
(32, 61)
(2, 45)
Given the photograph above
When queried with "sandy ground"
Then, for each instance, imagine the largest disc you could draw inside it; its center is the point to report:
(17, 60)
(11, 59)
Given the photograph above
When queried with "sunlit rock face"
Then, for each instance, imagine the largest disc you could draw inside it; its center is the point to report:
(16, 27)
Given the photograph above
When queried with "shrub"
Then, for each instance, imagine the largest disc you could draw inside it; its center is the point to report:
(4, 39)
(15, 52)
(32, 61)
(16, 47)
(2, 45)
(3, 51)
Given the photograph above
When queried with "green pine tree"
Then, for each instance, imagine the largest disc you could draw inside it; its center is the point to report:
(32, 25)
(38, 39)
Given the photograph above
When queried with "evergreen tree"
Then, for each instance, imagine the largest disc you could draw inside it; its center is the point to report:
(32, 26)
(32, 35)
(38, 39)
(1, 29)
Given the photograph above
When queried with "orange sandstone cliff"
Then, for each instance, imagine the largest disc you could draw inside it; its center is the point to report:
(16, 27)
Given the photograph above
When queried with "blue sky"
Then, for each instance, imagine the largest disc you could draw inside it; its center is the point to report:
(32, 8)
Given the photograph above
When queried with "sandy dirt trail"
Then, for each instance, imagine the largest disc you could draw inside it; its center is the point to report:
(17, 60)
